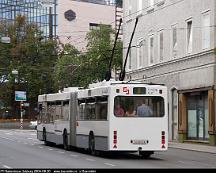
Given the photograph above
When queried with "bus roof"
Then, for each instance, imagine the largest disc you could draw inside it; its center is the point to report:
(95, 89)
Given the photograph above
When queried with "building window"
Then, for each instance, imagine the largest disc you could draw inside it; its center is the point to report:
(151, 3)
(129, 7)
(130, 61)
(94, 26)
(161, 45)
(151, 50)
(140, 52)
(197, 116)
(174, 41)
(206, 31)
(189, 36)
(139, 6)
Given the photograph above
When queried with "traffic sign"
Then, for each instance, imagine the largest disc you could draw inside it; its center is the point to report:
(5, 40)
(20, 96)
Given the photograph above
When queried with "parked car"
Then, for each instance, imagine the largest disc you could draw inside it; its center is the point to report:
(33, 124)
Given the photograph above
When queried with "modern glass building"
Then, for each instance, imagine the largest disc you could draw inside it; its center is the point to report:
(41, 12)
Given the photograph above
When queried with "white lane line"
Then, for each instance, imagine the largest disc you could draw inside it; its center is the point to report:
(91, 160)
(5, 166)
(109, 164)
(50, 149)
(41, 147)
(61, 152)
(73, 155)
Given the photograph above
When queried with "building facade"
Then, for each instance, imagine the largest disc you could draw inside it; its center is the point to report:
(174, 45)
(36, 11)
(77, 17)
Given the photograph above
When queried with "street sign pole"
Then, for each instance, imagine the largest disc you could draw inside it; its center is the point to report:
(21, 97)
(21, 115)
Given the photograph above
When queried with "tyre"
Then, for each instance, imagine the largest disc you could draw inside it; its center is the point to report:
(44, 137)
(91, 144)
(65, 140)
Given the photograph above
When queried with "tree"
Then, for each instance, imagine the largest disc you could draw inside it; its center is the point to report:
(31, 55)
(66, 69)
(100, 44)
(80, 69)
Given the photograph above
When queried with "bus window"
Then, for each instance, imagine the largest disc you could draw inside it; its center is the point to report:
(81, 111)
(101, 111)
(139, 106)
(90, 111)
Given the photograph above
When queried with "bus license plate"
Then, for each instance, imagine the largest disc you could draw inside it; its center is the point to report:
(140, 142)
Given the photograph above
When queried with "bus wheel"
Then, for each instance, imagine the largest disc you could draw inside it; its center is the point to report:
(65, 140)
(44, 137)
(91, 144)
(146, 154)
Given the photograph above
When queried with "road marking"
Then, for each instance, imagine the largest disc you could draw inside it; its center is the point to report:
(8, 133)
(8, 167)
(26, 143)
(61, 152)
(91, 160)
(50, 149)
(109, 164)
(40, 147)
(73, 155)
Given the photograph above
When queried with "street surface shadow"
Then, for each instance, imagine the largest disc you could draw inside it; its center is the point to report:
(110, 155)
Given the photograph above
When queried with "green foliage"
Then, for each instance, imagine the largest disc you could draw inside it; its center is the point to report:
(79, 70)
(32, 56)
(100, 44)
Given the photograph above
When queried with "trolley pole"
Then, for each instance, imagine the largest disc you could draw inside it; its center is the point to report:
(21, 115)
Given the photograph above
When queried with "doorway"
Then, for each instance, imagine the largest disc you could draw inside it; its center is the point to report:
(197, 116)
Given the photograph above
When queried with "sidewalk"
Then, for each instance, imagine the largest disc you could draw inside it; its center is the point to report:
(193, 147)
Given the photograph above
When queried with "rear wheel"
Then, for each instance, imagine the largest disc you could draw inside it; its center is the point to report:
(65, 140)
(44, 137)
(91, 144)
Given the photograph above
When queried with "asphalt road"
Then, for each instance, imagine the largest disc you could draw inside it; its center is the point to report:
(21, 149)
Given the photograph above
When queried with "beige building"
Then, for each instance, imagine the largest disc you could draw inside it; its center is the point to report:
(77, 18)
(174, 44)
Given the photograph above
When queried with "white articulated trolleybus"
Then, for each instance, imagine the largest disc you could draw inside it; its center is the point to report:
(92, 118)
(111, 116)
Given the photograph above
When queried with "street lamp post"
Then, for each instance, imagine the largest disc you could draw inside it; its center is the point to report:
(20, 96)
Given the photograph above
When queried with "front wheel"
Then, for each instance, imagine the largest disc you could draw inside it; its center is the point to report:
(65, 141)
